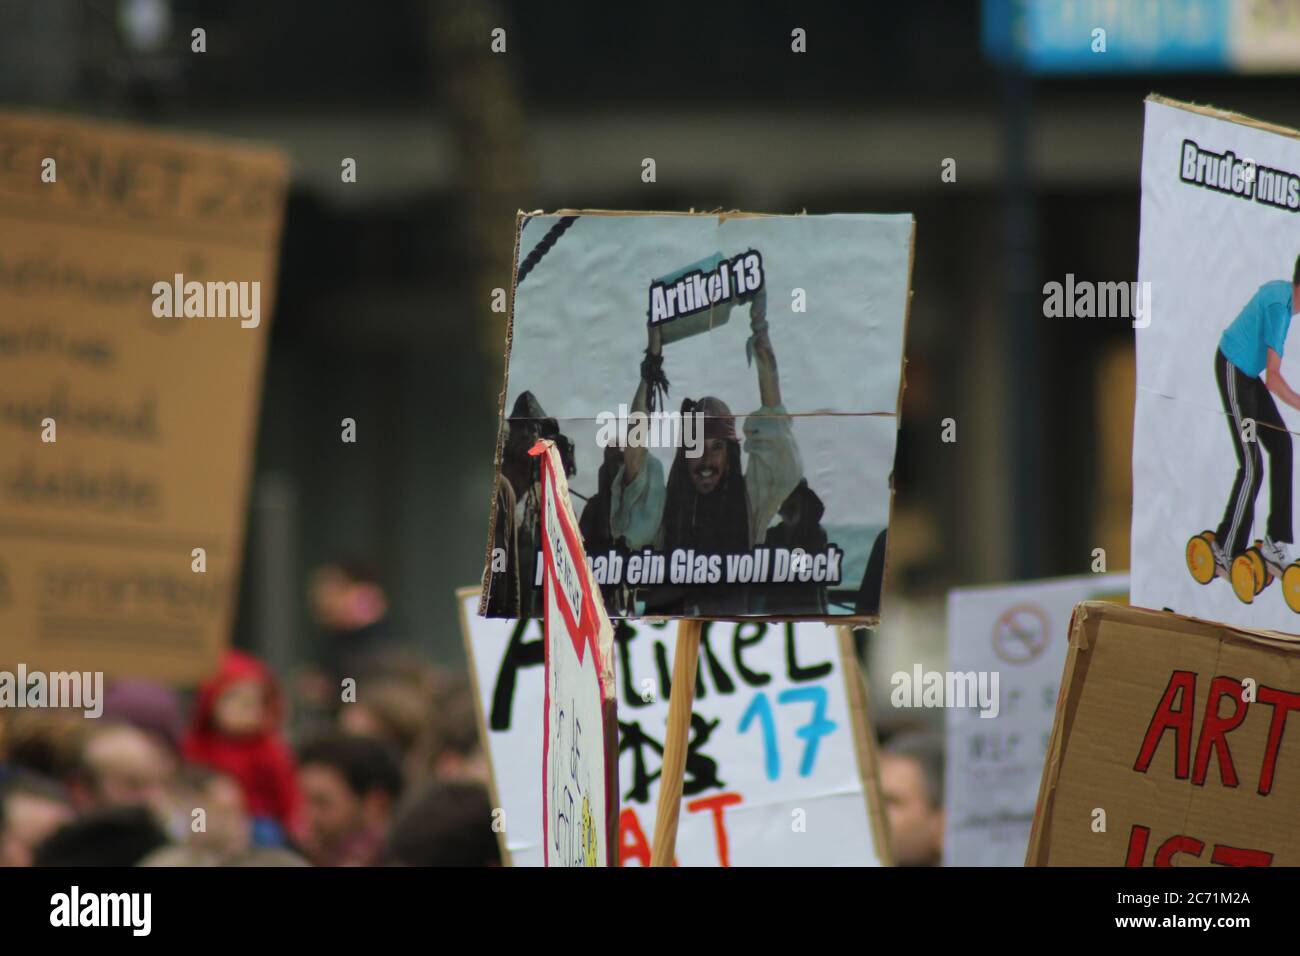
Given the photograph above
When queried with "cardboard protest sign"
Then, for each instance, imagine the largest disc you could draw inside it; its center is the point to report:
(724, 391)
(781, 767)
(137, 275)
(580, 732)
(994, 763)
(1168, 747)
(1213, 478)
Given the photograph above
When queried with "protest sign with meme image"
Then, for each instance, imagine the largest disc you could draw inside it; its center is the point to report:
(724, 391)
(780, 769)
(994, 757)
(1214, 481)
(1168, 747)
(137, 276)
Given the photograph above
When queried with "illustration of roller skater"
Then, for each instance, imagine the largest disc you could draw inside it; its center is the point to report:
(1248, 371)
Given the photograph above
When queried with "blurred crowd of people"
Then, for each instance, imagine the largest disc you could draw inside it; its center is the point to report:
(367, 757)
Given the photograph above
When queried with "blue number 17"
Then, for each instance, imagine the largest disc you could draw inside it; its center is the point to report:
(812, 732)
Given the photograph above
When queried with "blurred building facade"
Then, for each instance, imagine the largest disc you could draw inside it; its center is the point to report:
(384, 304)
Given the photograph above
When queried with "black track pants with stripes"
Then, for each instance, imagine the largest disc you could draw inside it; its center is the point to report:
(1245, 397)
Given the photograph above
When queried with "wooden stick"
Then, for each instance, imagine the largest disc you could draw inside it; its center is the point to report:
(681, 700)
(864, 744)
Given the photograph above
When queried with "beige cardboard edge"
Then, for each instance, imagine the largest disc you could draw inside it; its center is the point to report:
(869, 620)
(1227, 115)
(249, 447)
(1163, 620)
(480, 717)
(252, 149)
(898, 422)
(1038, 850)
(485, 579)
(722, 214)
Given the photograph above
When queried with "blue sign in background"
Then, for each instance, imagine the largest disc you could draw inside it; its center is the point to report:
(1056, 36)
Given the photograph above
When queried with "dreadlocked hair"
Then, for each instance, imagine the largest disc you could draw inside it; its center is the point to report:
(717, 522)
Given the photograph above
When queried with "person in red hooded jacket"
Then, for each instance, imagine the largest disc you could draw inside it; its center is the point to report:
(236, 730)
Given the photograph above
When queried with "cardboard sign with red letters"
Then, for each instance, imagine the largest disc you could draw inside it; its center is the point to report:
(1169, 747)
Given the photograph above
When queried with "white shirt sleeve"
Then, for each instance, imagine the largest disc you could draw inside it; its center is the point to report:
(773, 469)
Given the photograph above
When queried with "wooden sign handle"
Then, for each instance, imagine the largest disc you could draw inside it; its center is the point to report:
(681, 699)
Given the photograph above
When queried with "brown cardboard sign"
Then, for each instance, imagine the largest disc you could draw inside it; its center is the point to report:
(137, 274)
(1170, 745)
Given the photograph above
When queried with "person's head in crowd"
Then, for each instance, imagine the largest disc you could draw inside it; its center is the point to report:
(119, 765)
(449, 823)
(350, 787)
(911, 780)
(45, 741)
(347, 597)
(31, 808)
(390, 709)
(451, 748)
(192, 856)
(109, 836)
(151, 706)
(236, 729)
(223, 829)
(353, 637)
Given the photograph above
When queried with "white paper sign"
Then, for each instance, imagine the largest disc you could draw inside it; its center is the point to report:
(772, 774)
(1219, 246)
(994, 764)
(579, 796)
